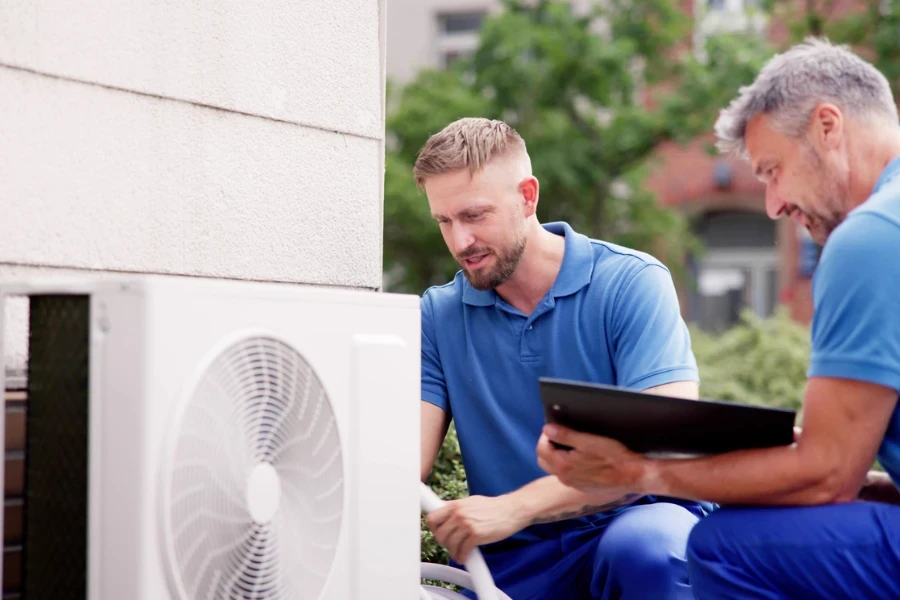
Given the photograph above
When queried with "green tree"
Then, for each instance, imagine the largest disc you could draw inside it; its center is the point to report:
(871, 27)
(571, 84)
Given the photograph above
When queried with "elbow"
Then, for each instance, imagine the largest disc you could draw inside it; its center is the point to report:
(833, 486)
(825, 475)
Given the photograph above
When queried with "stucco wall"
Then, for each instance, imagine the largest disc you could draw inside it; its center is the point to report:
(214, 138)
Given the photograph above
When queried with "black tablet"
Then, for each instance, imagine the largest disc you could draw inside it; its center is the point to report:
(662, 425)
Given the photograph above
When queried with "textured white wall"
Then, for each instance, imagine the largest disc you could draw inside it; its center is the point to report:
(217, 138)
(312, 62)
(99, 178)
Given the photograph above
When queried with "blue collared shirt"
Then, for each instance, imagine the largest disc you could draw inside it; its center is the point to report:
(611, 317)
(856, 297)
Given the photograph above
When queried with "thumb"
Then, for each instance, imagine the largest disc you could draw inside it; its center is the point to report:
(565, 436)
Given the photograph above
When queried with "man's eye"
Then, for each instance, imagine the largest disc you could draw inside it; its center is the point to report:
(475, 217)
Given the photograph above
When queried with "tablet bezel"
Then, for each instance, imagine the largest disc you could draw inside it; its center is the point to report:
(664, 426)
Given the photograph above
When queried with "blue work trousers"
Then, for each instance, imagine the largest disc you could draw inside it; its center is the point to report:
(845, 551)
(638, 554)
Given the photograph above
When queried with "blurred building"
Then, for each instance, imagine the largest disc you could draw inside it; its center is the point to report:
(750, 261)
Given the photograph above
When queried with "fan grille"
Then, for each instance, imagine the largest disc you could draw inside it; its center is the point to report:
(255, 485)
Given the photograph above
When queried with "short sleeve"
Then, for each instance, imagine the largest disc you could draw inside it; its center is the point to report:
(651, 343)
(856, 298)
(434, 387)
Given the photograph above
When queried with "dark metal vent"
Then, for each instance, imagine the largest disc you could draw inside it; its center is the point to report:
(56, 457)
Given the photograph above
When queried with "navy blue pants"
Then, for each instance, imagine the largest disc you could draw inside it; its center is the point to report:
(638, 554)
(845, 551)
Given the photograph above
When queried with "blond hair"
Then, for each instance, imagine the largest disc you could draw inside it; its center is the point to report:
(468, 143)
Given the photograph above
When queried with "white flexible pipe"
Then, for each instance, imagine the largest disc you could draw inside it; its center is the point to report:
(478, 579)
(433, 592)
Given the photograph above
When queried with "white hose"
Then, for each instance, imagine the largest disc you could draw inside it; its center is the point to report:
(478, 578)
(433, 592)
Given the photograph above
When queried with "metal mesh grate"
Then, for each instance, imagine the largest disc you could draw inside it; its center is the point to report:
(56, 457)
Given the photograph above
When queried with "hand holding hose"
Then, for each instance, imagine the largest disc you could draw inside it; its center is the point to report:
(478, 578)
(462, 525)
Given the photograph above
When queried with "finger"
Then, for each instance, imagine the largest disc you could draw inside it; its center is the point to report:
(443, 534)
(571, 438)
(546, 455)
(543, 448)
(455, 541)
(547, 448)
(543, 466)
(438, 517)
(562, 435)
(466, 547)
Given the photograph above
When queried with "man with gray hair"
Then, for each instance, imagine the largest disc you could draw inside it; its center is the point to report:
(819, 127)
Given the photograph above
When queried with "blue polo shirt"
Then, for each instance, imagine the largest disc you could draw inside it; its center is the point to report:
(611, 317)
(856, 297)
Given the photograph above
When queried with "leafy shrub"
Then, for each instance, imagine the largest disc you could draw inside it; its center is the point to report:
(448, 480)
(758, 361)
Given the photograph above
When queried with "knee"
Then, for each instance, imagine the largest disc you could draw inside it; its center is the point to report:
(709, 538)
(644, 559)
(709, 555)
(645, 553)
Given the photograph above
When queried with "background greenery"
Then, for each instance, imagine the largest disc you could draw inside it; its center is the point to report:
(570, 88)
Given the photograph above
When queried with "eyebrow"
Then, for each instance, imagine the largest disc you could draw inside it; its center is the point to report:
(469, 210)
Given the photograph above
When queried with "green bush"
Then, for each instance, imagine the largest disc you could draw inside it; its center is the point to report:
(448, 480)
(759, 361)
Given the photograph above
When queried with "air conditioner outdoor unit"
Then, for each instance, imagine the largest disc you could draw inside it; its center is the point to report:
(195, 439)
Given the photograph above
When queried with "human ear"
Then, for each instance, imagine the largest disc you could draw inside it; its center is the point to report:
(529, 188)
(828, 126)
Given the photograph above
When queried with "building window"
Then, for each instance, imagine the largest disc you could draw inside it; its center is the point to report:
(457, 35)
(737, 271)
(460, 22)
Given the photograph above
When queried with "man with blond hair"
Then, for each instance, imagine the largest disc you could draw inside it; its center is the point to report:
(820, 129)
(536, 300)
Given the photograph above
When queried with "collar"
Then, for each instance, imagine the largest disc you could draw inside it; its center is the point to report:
(890, 171)
(574, 273)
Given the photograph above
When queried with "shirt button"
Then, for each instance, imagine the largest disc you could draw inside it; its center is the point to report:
(530, 327)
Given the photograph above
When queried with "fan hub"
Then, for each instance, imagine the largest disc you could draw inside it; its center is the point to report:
(263, 493)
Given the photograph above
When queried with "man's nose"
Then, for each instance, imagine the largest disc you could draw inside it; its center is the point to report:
(774, 206)
(462, 238)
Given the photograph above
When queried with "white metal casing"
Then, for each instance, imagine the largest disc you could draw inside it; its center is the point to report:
(150, 335)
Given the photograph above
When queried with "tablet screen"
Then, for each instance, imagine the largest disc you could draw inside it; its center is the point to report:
(661, 425)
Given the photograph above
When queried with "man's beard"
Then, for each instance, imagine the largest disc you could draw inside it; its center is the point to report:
(507, 261)
(820, 227)
(829, 194)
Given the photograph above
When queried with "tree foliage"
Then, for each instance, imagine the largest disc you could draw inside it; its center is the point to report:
(574, 86)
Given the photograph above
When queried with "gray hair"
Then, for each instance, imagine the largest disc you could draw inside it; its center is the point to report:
(792, 84)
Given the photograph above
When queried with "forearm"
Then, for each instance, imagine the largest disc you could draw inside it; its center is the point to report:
(780, 475)
(547, 500)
